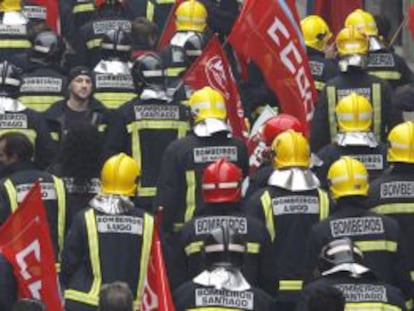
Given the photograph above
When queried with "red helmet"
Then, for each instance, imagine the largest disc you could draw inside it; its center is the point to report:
(222, 182)
(278, 124)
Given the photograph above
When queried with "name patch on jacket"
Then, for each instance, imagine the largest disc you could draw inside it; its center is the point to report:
(92, 186)
(363, 292)
(298, 204)
(363, 91)
(121, 81)
(206, 224)
(34, 12)
(103, 27)
(214, 297)
(48, 191)
(211, 154)
(316, 68)
(13, 29)
(371, 161)
(119, 224)
(41, 84)
(381, 60)
(397, 189)
(13, 120)
(356, 226)
(157, 112)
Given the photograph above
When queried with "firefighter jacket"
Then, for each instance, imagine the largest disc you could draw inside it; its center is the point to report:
(14, 43)
(179, 183)
(379, 238)
(149, 126)
(364, 292)
(8, 285)
(43, 85)
(158, 11)
(322, 69)
(389, 66)
(89, 260)
(187, 260)
(176, 63)
(289, 217)
(221, 15)
(378, 92)
(403, 104)
(14, 188)
(392, 194)
(259, 179)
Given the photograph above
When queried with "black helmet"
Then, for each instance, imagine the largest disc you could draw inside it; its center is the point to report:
(11, 80)
(48, 47)
(116, 43)
(224, 247)
(194, 46)
(338, 252)
(148, 71)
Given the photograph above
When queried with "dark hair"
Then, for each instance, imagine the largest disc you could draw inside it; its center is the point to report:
(142, 30)
(17, 144)
(115, 297)
(27, 304)
(326, 298)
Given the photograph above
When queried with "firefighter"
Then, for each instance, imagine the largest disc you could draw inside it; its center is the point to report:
(221, 286)
(379, 237)
(20, 173)
(341, 265)
(355, 138)
(44, 82)
(17, 118)
(150, 122)
(403, 104)
(352, 48)
(221, 190)
(317, 35)
(289, 205)
(382, 62)
(392, 193)
(113, 79)
(111, 224)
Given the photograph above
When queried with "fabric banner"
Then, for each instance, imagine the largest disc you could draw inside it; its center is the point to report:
(411, 21)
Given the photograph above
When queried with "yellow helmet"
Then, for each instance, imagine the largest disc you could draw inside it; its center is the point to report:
(316, 32)
(349, 41)
(119, 175)
(363, 21)
(191, 15)
(207, 103)
(10, 5)
(401, 143)
(354, 114)
(348, 177)
(290, 149)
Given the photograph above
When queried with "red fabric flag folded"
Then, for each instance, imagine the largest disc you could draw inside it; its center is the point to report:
(411, 21)
(52, 13)
(212, 69)
(25, 242)
(169, 27)
(268, 32)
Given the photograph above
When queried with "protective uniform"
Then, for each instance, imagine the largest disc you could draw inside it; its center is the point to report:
(354, 139)
(341, 265)
(222, 194)
(157, 11)
(403, 104)
(111, 225)
(221, 286)
(382, 62)
(352, 47)
(44, 83)
(289, 205)
(15, 117)
(317, 34)
(113, 80)
(221, 15)
(150, 123)
(379, 237)
(8, 285)
(392, 193)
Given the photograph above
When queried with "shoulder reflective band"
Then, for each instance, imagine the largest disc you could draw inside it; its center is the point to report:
(193, 247)
(93, 43)
(91, 297)
(174, 71)
(319, 85)
(323, 204)
(12, 194)
(380, 245)
(15, 44)
(253, 248)
(364, 306)
(386, 75)
(376, 105)
(290, 285)
(190, 195)
(31, 134)
(39, 103)
(165, 1)
(113, 100)
(409, 304)
(333, 127)
(61, 203)
(83, 7)
(268, 214)
(150, 11)
(394, 208)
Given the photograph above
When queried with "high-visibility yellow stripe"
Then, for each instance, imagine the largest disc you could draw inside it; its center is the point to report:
(190, 196)
(380, 245)
(386, 75)
(323, 204)
(147, 191)
(39, 103)
(253, 248)
(376, 105)
(290, 285)
(102, 127)
(165, 1)
(394, 208)
(194, 247)
(30, 134)
(94, 43)
(174, 71)
(333, 127)
(412, 275)
(150, 11)
(370, 306)
(82, 8)
(319, 85)
(12, 194)
(54, 135)
(268, 214)
(61, 203)
(15, 44)
(409, 304)
(178, 226)
(113, 100)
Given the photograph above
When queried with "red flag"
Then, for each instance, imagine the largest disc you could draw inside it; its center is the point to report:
(52, 13)
(26, 243)
(411, 21)
(157, 294)
(269, 34)
(212, 69)
(169, 27)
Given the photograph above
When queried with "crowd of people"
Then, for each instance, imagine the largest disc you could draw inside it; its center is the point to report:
(122, 146)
